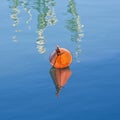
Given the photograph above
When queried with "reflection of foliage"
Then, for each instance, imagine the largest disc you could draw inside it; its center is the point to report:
(14, 16)
(15, 12)
(46, 17)
(74, 25)
(27, 9)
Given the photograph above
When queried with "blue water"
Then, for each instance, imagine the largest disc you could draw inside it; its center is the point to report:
(30, 31)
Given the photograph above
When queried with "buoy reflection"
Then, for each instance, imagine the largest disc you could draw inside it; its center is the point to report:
(60, 76)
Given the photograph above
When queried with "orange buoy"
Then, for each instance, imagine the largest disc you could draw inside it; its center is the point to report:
(60, 58)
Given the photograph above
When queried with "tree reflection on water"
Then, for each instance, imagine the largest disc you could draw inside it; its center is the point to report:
(46, 16)
(75, 27)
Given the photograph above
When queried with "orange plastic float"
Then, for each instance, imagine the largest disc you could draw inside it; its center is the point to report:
(60, 58)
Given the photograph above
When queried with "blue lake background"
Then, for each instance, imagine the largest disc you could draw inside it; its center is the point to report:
(30, 31)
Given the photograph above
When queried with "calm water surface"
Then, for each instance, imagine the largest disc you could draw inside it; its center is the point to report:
(30, 31)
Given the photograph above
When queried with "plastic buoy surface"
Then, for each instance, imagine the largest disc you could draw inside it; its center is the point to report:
(60, 58)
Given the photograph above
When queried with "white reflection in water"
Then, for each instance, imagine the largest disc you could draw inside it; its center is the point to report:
(46, 16)
(27, 9)
(14, 15)
(75, 27)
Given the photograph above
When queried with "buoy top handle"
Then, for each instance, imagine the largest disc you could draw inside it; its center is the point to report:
(58, 50)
